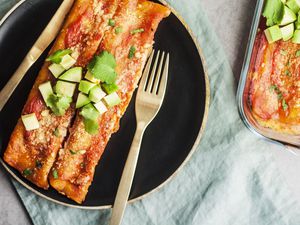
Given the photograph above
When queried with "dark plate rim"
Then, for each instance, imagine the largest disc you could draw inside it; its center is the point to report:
(193, 149)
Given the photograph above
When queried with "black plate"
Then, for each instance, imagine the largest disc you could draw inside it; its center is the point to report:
(169, 139)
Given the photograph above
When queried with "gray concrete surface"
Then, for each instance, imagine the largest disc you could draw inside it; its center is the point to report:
(231, 20)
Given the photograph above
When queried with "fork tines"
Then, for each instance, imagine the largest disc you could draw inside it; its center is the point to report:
(155, 81)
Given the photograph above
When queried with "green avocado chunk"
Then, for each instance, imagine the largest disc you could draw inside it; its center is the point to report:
(56, 69)
(273, 34)
(288, 17)
(65, 88)
(109, 88)
(112, 99)
(82, 100)
(46, 90)
(96, 94)
(287, 31)
(85, 86)
(30, 121)
(294, 5)
(296, 37)
(72, 75)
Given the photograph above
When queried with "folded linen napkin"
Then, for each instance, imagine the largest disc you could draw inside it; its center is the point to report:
(230, 179)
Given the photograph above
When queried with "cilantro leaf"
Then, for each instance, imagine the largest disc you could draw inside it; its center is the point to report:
(273, 11)
(90, 116)
(104, 58)
(57, 56)
(103, 67)
(58, 104)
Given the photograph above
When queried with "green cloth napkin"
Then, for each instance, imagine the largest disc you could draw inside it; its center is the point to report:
(230, 179)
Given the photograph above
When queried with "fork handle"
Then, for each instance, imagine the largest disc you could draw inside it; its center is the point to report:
(127, 176)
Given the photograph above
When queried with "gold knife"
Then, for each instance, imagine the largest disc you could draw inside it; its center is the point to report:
(44, 40)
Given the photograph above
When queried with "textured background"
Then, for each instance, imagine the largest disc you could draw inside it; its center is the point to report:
(231, 20)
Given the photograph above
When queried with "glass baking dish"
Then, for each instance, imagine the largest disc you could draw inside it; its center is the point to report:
(243, 89)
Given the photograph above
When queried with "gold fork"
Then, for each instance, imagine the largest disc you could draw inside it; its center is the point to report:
(149, 99)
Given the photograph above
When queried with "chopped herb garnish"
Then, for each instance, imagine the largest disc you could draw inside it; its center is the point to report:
(277, 91)
(274, 88)
(81, 152)
(103, 67)
(284, 105)
(131, 53)
(288, 62)
(273, 12)
(72, 152)
(56, 57)
(27, 172)
(38, 164)
(118, 30)
(283, 52)
(90, 115)
(58, 104)
(55, 174)
(287, 72)
(279, 96)
(111, 22)
(136, 31)
(56, 132)
(298, 53)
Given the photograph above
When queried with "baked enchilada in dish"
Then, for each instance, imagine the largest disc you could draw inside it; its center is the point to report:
(82, 91)
(273, 77)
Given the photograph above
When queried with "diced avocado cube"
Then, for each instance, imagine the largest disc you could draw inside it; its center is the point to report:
(273, 34)
(89, 76)
(109, 88)
(46, 90)
(65, 88)
(296, 37)
(112, 99)
(73, 75)
(56, 69)
(30, 121)
(294, 5)
(288, 17)
(96, 94)
(85, 86)
(287, 31)
(297, 26)
(67, 62)
(82, 100)
(101, 107)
